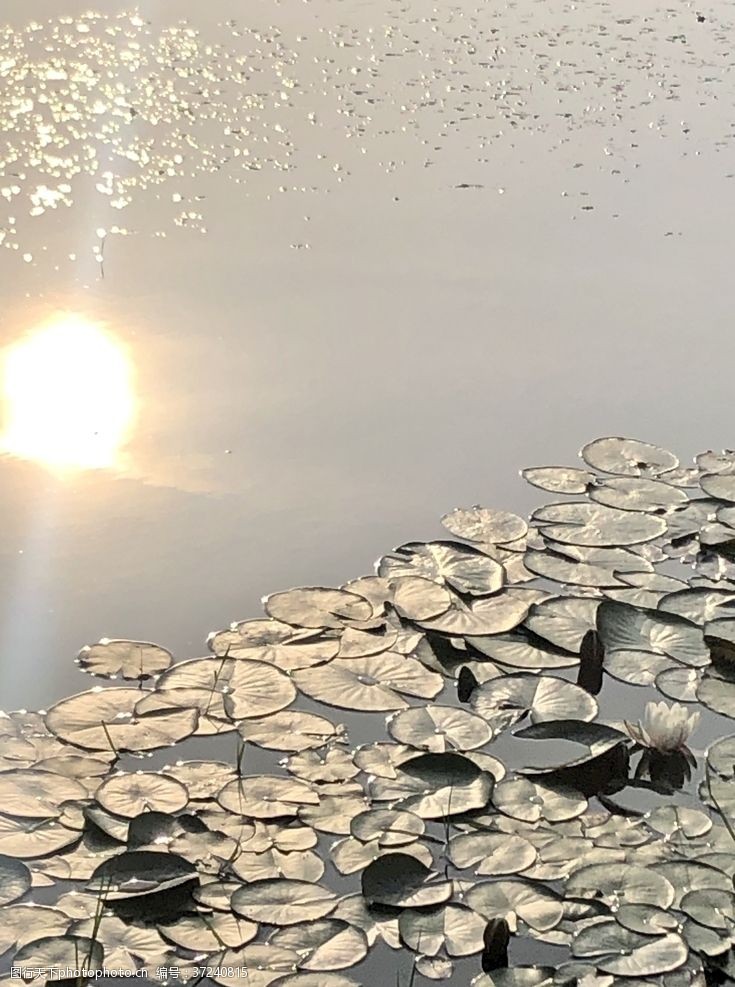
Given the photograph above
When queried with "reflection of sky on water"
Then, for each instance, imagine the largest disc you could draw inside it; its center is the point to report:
(413, 358)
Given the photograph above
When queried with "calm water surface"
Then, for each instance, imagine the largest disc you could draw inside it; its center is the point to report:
(302, 410)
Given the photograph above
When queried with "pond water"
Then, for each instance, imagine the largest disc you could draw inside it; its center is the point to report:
(330, 269)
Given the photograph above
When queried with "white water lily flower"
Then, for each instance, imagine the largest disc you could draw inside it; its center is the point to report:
(663, 728)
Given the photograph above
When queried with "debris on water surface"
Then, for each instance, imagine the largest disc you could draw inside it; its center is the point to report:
(455, 833)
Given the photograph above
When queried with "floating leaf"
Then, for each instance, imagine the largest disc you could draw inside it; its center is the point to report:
(681, 684)
(558, 479)
(538, 907)
(719, 485)
(140, 872)
(315, 980)
(625, 628)
(15, 879)
(529, 801)
(639, 667)
(452, 928)
(51, 956)
(717, 694)
(493, 615)
(105, 720)
(518, 651)
(563, 621)
(637, 494)
(255, 965)
(324, 944)
(401, 881)
(246, 688)
(628, 457)
(460, 567)
(594, 738)
(266, 796)
(621, 883)
(208, 933)
(317, 606)
(37, 794)
(371, 683)
(202, 779)
(391, 827)
(679, 821)
(629, 954)
(439, 728)
(283, 902)
(318, 767)
(419, 598)
(505, 701)
(721, 757)
(710, 907)
(351, 855)
(274, 642)
(554, 565)
(435, 786)
(684, 876)
(290, 730)
(481, 524)
(495, 854)
(584, 523)
(26, 923)
(647, 919)
(130, 794)
(517, 976)
(124, 659)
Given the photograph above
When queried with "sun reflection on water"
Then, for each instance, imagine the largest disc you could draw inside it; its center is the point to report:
(68, 396)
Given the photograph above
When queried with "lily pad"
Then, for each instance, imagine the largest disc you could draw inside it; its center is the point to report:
(272, 641)
(625, 628)
(559, 479)
(419, 598)
(505, 701)
(37, 794)
(719, 485)
(105, 720)
(391, 827)
(460, 567)
(401, 881)
(318, 606)
(629, 954)
(58, 954)
(563, 621)
(324, 944)
(290, 730)
(453, 928)
(537, 906)
(140, 872)
(266, 796)
(628, 457)
(124, 659)
(482, 524)
(584, 523)
(130, 794)
(283, 902)
(622, 883)
(439, 728)
(15, 879)
(492, 615)
(637, 494)
(372, 683)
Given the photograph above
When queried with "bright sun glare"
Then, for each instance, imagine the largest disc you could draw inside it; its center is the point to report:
(68, 396)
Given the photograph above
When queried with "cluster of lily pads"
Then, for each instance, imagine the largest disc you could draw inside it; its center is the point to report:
(444, 838)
